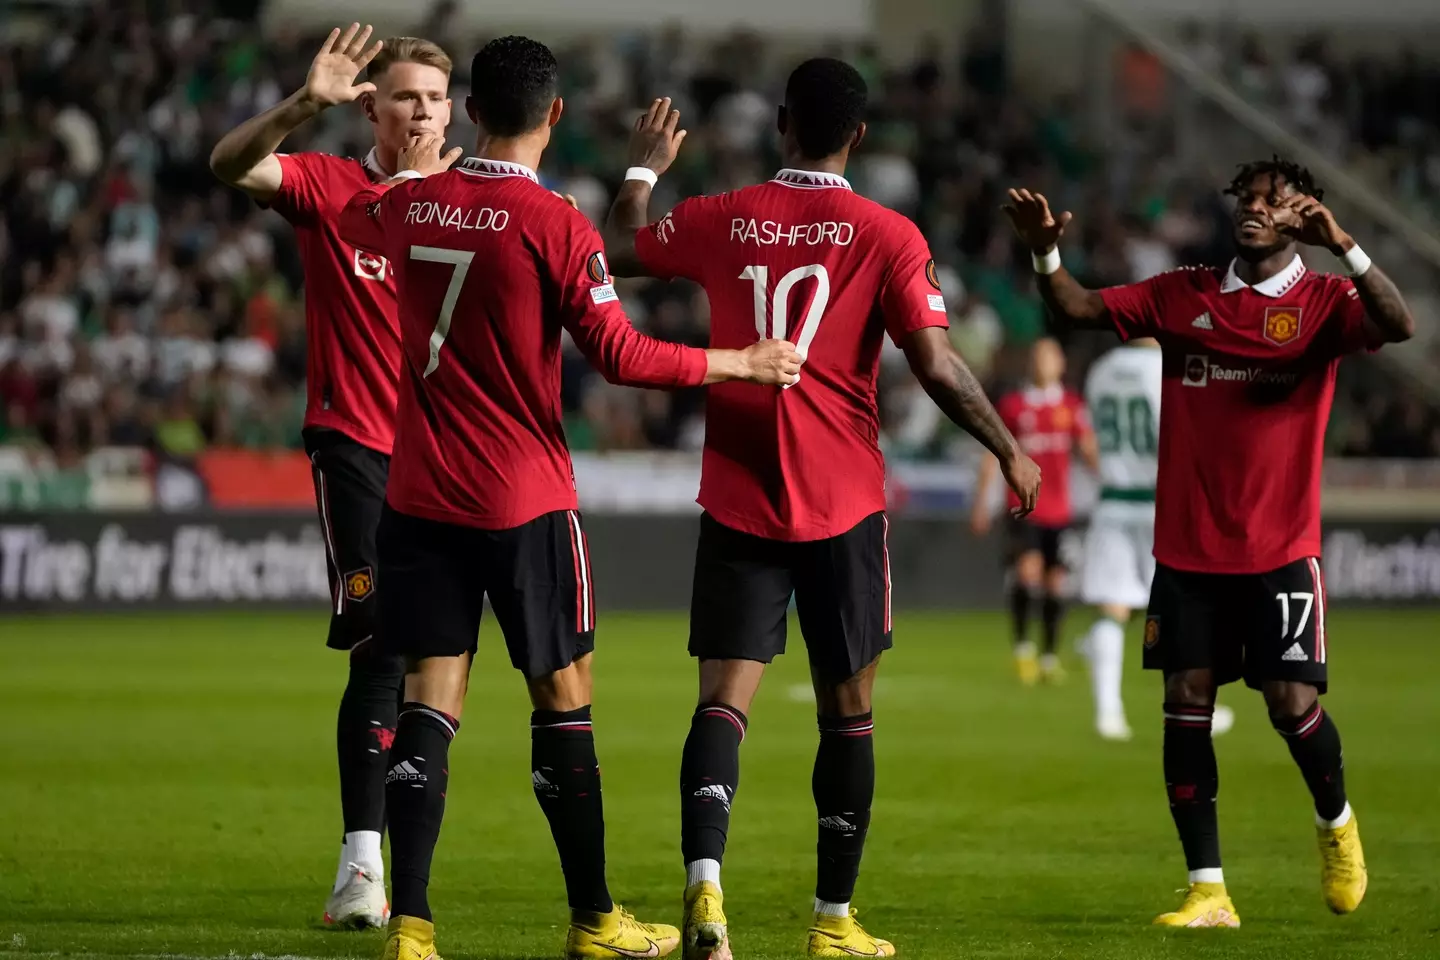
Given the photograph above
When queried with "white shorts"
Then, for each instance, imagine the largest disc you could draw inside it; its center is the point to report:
(1119, 564)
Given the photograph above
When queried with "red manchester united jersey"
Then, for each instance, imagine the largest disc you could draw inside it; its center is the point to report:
(491, 268)
(803, 258)
(1046, 422)
(1249, 374)
(352, 356)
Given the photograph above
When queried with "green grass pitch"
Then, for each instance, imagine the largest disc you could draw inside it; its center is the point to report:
(168, 788)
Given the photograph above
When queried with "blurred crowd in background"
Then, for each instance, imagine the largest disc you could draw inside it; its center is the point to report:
(142, 303)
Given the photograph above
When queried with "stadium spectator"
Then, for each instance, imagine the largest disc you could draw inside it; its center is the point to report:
(114, 233)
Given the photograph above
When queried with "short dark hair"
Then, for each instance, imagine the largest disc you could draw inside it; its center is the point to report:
(1297, 176)
(825, 102)
(512, 83)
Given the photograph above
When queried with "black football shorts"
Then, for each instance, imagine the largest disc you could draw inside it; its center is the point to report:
(537, 575)
(1256, 627)
(841, 585)
(349, 491)
(1024, 536)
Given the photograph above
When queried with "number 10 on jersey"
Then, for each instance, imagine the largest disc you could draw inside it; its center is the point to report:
(777, 306)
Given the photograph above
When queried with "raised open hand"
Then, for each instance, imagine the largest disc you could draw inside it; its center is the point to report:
(331, 79)
(656, 140)
(1036, 226)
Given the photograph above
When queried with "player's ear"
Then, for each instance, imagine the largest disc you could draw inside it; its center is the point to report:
(860, 129)
(557, 107)
(470, 110)
(367, 104)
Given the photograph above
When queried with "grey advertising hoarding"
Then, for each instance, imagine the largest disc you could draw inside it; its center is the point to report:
(92, 561)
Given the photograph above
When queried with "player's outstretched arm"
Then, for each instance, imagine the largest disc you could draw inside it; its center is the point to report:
(948, 380)
(1069, 302)
(1311, 222)
(653, 146)
(245, 157)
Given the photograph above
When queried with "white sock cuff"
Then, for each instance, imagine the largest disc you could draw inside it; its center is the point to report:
(826, 909)
(702, 871)
(1207, 875)
(1337, 823)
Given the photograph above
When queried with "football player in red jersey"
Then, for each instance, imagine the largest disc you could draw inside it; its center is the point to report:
(492, 270)
(793, 481)
(1249, 358)
(352, 364)
(1050, 421)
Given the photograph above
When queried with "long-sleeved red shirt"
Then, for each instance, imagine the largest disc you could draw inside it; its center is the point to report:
(490, 267)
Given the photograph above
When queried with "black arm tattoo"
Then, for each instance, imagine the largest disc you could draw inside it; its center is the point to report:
(1385, 308)
(961, 398)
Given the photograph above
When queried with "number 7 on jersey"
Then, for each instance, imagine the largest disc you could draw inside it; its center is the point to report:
(459, 260)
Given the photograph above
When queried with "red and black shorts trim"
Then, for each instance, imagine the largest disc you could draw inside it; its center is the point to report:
(537, 576)
(349, 483)
(841, 585)
(1257, 627)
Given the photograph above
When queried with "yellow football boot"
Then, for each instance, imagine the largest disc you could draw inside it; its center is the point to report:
(707, 937)
(1342, 866)
(408, 938)
(605, 936)
(844, 937)
(1027, 667)
(1206, 905)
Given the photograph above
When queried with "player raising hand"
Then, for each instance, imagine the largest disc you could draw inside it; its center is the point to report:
(1249, 354)
(793, 481)
(352, 367)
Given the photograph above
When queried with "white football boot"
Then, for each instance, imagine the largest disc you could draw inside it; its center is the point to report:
(359, 903)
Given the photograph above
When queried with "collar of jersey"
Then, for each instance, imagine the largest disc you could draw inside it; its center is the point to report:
(811, 178)
(1044, 396)
(371, 163)
(481, 167)
(1276, 286)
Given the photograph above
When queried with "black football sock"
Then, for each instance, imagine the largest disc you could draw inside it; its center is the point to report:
(843, 785)
(566, 777)
(415, 802)
(363, 733)
(1193, 780)
(1314, 742)
(1020, 611)
(709, 777)
(1052, 611)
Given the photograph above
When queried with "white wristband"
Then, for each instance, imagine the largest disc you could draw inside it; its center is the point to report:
(408, 175)
(1355, 261)
(1048, 263)
(642, 173)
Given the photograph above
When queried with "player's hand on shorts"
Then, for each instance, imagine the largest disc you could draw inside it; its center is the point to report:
(656, 140)
(333, 71)
(1036, 226)
(772, 362)
(1023, 476)
(1309, 221)
(422, 154)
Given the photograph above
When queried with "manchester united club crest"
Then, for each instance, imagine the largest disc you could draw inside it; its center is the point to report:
(359, 584)
(1152, 631)
(1282, 324)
